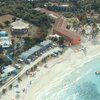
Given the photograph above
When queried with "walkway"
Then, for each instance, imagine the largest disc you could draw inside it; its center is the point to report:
(27, 67)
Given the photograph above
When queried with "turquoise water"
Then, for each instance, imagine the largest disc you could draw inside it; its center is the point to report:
(81, 84)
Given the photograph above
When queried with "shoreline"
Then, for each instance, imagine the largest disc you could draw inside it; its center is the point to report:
(79, 64)
(49, 77)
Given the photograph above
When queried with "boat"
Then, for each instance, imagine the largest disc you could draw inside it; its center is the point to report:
(97, 72)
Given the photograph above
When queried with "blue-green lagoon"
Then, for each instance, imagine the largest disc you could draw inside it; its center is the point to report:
(81, 84)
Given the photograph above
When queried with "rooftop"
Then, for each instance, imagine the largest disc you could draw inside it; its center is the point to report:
(45, 43)
(31, 51)
(60, 27)
(3, 33)
(5, 42)
(9, 69)
(19, 25)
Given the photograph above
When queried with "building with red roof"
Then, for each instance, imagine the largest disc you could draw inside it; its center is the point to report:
(60, 27)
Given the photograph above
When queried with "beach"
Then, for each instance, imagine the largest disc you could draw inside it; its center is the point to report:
(48, 78)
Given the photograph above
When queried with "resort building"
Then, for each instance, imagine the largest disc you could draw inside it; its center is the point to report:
(19, 27)
(31, 54)
(35, 51)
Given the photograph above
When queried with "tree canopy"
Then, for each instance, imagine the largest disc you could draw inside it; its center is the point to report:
(86, 4)
(25, 10)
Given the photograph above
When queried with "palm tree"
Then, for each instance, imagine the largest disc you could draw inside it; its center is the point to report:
(61, 40)
(45, 66)
(32, 69)
(75, 25)
(19, 79)
(1, 55)
(10, 86)
(4, 91)
(83, 32)
(35, 67)
(95, 30)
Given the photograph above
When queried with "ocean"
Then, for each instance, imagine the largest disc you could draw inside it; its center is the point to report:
(81, 84)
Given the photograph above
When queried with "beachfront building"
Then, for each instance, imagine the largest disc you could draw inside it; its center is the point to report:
(31, 54)
(10, 70)
(46, 44)
(7, 72)
(35, 51)
(19, 27)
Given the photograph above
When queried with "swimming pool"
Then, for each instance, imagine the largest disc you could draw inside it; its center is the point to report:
(81, 84)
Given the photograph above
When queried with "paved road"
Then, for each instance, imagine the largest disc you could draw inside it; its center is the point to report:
(26, 67)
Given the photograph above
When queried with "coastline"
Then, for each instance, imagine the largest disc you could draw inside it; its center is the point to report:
(47, 78)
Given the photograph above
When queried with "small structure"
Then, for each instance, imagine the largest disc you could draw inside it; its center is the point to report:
(7, 72)
(46, 44)
(3, 34)
(3, 78)
(10, 70)
(19, 27)
(5, 42)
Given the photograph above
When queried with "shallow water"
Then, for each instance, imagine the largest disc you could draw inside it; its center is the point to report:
(81, 84)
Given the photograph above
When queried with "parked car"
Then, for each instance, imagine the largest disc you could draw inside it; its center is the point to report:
(18, 66)
(54, 55)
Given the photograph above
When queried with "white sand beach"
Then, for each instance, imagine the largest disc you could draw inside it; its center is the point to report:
(46, 78)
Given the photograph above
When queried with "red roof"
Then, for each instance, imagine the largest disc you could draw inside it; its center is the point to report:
(60, 27)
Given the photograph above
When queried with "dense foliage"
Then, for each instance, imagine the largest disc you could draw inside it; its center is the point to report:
(25, 10)
(84, 5)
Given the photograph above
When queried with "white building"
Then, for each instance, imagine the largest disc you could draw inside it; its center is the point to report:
(19, 27)
(5, 42)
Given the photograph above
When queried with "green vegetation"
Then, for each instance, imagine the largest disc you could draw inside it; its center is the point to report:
(7, 23)
(29, 42)
(1, 55)
(25, 10)
(4, 91)
(84, 5)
